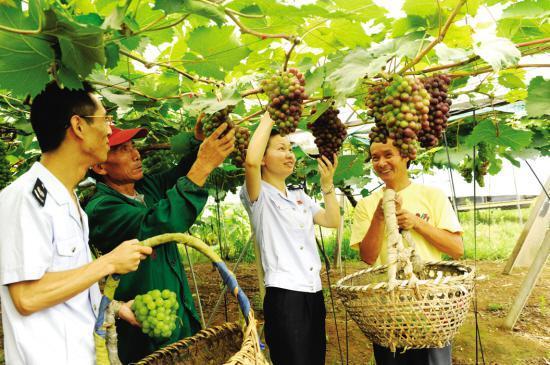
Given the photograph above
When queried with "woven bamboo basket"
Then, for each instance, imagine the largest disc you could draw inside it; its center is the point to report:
(228, 344)
(407, 304)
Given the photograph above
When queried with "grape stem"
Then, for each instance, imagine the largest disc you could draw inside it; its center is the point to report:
(437, 40)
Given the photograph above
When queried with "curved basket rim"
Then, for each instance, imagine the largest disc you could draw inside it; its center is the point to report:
(468, 274)
(187, 342)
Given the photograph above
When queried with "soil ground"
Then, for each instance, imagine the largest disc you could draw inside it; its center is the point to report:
(527, 344)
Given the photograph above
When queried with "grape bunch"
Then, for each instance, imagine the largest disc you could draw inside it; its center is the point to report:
(5, 173)
(158, 161)
(375, 103)
(406, 106)
(329, 132)
(156, 312)
(440, 104)
(286, 93)
(213, 121)
(467, 167)
(242, 138)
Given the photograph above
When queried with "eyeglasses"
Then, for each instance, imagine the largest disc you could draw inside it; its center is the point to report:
(108, 118)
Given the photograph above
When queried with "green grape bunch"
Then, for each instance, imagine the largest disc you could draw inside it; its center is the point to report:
(286, 93)
(242, 138)
(5, 172)
(213, 121)
(467, 167)
(375, 102)
(329, 132)
(156, 312)
(406, 107)
(432, 129)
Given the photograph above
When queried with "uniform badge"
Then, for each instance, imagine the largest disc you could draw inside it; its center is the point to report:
(40, 192)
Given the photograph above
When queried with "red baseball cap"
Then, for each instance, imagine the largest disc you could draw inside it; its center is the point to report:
(120, 136)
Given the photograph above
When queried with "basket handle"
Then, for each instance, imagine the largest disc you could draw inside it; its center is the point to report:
(398, 256)
(103, 328)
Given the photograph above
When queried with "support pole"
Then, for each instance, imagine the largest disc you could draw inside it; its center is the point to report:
(528, 225)
(337, 258)
(529, 282)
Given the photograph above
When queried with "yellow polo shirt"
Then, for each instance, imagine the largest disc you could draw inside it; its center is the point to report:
(427, 202)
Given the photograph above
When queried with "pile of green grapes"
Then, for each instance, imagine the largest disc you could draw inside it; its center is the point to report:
(286, 93)
(242, 138)
(5, 173)
(329, 132)
(212, 122)
(156, 312)
(440, 104)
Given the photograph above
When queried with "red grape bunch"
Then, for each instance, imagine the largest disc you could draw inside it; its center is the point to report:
(156, 312)
(434, 127)
(213, 121)
(286, 93)
(405, 108)
(242, 138)
(329, 132)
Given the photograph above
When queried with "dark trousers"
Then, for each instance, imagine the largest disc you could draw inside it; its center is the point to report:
(295, 326)
(431, 356)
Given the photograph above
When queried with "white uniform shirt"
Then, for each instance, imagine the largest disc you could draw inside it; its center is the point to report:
(284, 231)
(36, 239)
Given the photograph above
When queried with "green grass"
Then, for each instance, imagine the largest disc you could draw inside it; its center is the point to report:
(497, 231)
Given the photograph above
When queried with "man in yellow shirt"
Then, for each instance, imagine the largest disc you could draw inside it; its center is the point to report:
(426, 213)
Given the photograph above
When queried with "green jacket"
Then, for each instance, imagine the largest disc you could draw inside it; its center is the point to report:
(172, 203)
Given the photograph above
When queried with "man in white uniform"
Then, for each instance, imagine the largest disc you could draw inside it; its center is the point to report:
(49, 290)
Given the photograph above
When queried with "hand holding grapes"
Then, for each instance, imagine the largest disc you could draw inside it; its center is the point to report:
(216, 147)
(125, 313)
(327, 169)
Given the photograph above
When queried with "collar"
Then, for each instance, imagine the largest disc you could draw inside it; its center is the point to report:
(106, 189)
(274, 190)
(55, 188)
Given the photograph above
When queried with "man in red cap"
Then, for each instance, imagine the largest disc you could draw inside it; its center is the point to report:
(129, 204)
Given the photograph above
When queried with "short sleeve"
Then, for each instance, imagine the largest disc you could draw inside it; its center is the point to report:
(362, 217)
(314, 207)
(446, 217)
(245, 199)
(26, 243)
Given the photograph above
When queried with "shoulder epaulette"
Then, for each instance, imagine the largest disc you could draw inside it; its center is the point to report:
(40, 192)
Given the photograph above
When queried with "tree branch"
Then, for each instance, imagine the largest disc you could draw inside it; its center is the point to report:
(246, 93)
(475, 58)
(242, 15)
(489, 69)
(437, 40)
(245, 29)
(170, 67)
(133, 91)
(287, 56)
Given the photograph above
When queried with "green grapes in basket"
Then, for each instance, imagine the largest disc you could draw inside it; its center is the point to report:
(156, 312)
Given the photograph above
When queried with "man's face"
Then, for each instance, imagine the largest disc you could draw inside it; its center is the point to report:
(98, 127)
(387, 161)
(123, 164)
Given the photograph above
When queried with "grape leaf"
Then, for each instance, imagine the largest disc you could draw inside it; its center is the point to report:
(24, 60)
(538, 102)
(505, 135)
